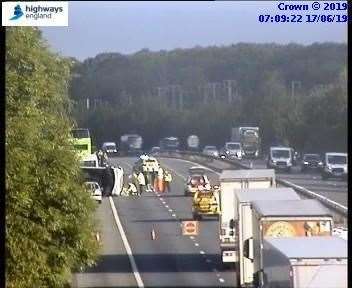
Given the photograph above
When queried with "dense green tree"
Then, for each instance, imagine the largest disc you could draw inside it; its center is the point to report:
(48, 213)
(264, 74)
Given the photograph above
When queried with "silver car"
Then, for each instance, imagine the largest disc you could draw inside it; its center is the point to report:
(211, 151)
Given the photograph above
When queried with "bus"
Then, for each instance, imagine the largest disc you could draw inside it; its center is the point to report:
(82, 142)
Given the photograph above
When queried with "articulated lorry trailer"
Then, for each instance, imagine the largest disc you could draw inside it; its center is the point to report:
(284, 219)
(304, 262)
(249, 139)
(230, 180)
(244, 198)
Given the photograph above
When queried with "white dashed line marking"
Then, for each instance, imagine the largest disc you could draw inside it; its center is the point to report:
(170, 210)
(166, 206)
(221, 280)
(191, 237)
(161, 199)
(217, 275)
(196, 244)
(201, 252)
(173, 215)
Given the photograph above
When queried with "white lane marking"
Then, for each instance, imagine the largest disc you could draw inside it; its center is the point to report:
(173, 215)
(161, 199)
(170, 210)
(217, 274)
(196, 244)
(191, 237)
(201, 252)
(221, 280)
(166, 206)
(126, 244)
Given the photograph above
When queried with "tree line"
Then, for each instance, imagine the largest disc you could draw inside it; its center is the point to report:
(49, 215)
(296, 94)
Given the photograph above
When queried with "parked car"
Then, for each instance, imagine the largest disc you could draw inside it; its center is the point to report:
(334, 165)
(311, 161)
(211, 151)
(95, 190)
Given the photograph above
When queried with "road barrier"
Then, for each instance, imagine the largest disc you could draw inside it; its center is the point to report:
(209, 161)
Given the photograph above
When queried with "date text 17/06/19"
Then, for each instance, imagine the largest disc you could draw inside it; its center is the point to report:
(307, 18)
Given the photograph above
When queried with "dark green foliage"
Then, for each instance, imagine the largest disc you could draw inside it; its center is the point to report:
(264, 75)
(48, 213)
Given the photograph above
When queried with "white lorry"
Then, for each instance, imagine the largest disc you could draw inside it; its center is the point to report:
(284, 218)
(244, 198)
(304, 262)
(229, 181)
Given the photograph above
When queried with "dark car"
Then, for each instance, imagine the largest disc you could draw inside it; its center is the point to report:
(311, 161)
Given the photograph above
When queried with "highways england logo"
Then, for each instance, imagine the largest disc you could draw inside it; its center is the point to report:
(35, 13)
(17, 13)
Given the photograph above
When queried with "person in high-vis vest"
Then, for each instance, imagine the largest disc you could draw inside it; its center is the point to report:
(167, 180)
(160, 180)
(141, 182)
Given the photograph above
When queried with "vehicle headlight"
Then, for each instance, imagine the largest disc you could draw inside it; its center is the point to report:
(305, 163)
(274, 161)
(227, 152)
(320, 163)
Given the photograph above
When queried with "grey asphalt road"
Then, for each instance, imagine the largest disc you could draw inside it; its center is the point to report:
(172, 259)
(334, 189)
(113, 268)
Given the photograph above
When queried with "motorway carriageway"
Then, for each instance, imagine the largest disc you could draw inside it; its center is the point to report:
(172, 260)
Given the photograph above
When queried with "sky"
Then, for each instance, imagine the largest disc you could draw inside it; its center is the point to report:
(130, 26)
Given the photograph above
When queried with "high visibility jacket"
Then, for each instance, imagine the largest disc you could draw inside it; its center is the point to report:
(168, 177)
(141, 179)
(160, 173)
(132, 188)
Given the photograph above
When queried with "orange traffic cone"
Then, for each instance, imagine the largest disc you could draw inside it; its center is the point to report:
(153, 234)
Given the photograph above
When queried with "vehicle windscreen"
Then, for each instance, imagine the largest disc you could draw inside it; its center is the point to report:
(197, 180)
(337, 159)
(110, 147)
(233, 146)
(311, 158)
(210, 148)
(280, 154)
(80, 133)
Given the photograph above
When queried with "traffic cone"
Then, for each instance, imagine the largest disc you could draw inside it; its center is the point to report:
(153, 234)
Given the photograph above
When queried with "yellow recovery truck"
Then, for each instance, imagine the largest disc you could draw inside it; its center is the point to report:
(206, 203)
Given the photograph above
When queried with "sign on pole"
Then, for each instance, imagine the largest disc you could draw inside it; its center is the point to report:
(189, 227)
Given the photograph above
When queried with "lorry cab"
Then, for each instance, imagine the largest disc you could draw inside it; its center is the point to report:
(109, 148)
(233, 150)
(334, 165)
(280, 158)
(230, 181)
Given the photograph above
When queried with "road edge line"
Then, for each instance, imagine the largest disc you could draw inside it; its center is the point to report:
(136, 274)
